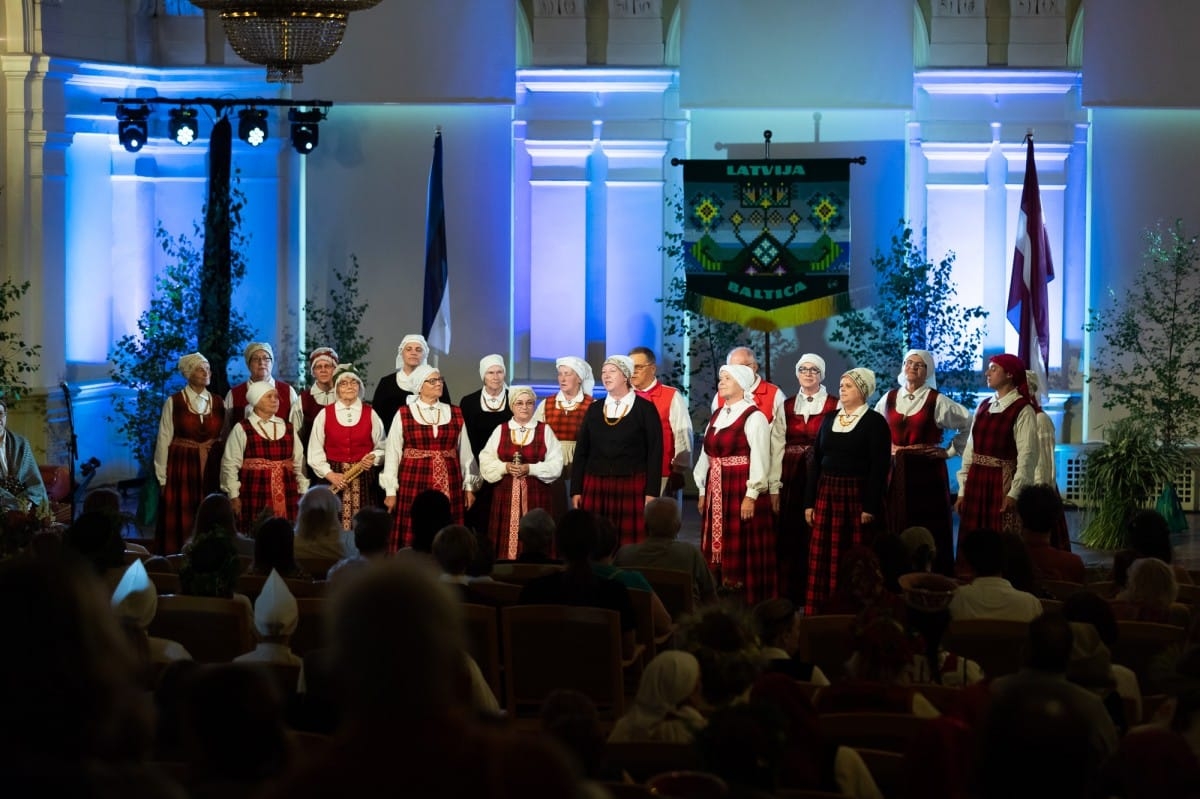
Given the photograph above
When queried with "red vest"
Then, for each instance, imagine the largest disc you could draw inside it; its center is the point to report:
(662, 396)
(992, 433)
(344, 443)
(566, 425)
(764, 397)
(238, 401)
(919, 428)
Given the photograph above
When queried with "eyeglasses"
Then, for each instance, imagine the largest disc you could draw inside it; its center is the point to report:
(808, 370)
(261, 359)
(433, 381)
(915, 365)
(522, 403)
(637, 367)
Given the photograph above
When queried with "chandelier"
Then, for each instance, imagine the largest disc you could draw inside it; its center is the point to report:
(284, 35)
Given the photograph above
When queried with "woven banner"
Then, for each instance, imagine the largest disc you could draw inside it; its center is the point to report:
(767, 242)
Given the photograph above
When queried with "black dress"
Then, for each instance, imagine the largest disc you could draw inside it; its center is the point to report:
(479, 425)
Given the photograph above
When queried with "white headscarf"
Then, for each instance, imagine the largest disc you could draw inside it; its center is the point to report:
(743, 376)
(930, 370)
(488, 361)
(188, 364)
(409, 339)
(275, 610)
(864, 379)
(814, 359)
(622, 362)
(419, 376)
(668, 680)
(135, 597)
(580, 367)
(256, 391)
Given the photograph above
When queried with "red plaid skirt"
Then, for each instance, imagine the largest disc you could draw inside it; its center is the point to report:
(512, 498)
(837, 527)
(988, 482)
(193, 471)
(919, 496)
(427, 462)
(268, 478)
(621, 498)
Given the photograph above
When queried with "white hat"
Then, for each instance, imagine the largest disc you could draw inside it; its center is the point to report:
(419, 376)
(188, 363)
(256, 391)
(742, 375)
(409, 339)
(257, 346)
(275, 610)
(930, 370)
(135, 597)
(488, 361)
(864, 379)
(622, 362)
(580, 367)
(814, 359)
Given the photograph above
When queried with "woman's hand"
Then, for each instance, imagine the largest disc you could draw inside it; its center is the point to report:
(808, 516)
(866, 518)
(747, 511)
(702, 505)
(336, 480)
(235, 505)
(468, 499)
(517, 469)
(390, 503)
(368, 460)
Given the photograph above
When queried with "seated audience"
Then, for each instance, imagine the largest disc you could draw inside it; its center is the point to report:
(861, 588)
(1147, 536)
(894, 560)
(372, 526)
(535, 535)
(664, 710)
(274, 551)
(210, 568)
(319, 525)
(602, 567)
(276, 615)
(397, 641)
(990, 596)
(1017, 567)
(453, 549)
(1089, 608)
(722, 639)
(1150, 595)
(577, 584)
(744, 745)
(921, 548)
(108, 500)
(136, 600)
(661, 550)
(1149, 764)
(1090, 668)
(216, 513)
(570, 718)
(1039, 507)
(430, 513)
(96, 537)
(930, 662)
(777, 622)
(878, 670)
(1047, 656)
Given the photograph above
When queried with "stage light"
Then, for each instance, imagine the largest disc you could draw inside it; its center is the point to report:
(133, 126)
(252, 126)
(305, 133)
(183, 127)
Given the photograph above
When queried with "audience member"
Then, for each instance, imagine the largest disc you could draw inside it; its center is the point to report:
(108, 500)
(661, 550)
(216, 513)
(136, 600)
(1090, 668)
(878, 670)
(454, 547)
(602, 567)
(1039, 507)
(96, 537)
(861, 589)
(1147, 535)
(990, 596)
(576, 584)
(930, 662)
(372, 527)
(570, 718)
(1150, 764)
(894, 560)
(922, 550)
(722, 639)
(1150, 595)
(276, 615)
(274, 551)
(535, 534)
(1089, 608)
(744, 745)
(398, 639)
(664, 710)
(319, 525)
(777, 622)
(430, 513)
(1047, 655)
(210, 568)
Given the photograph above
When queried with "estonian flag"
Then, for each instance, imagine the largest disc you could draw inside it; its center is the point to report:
(435, 317)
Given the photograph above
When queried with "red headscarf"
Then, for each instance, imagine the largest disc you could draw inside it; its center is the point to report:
(1016, 368)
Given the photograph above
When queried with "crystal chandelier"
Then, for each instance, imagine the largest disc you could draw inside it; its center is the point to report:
(284, 35)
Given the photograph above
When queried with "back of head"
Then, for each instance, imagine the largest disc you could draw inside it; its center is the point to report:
(397, 640)
(1149, 534)
(662, 518)
(1034, 743)
(454, 548)
(233, 723)
(576, 536)
(96, 537)
(1018, 564)
(1152, 583)
(883, 650)
(535, 531)
(1089, 608)
(722, 639)
(210, 565)
(1048, 647)
(430, 512)
(275, 547)
(984, 551)
(921, 548)
(372, 527)
(894, 560)
(103, 500)
(570, 718)
(743, 745)
(774, 619)
(1039, 506)
(320, 514)
(215, 513)
(606, 539)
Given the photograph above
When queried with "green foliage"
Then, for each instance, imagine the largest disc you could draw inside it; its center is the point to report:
(1148, 363)
(17, 357)
(694, 345)
(145, 362)
(337, 323)
(915, 308)
(1122, 477)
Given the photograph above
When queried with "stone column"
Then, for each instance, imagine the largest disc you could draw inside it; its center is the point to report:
(560, 32)
(635, 33)
(1037, 34)
(958, 34)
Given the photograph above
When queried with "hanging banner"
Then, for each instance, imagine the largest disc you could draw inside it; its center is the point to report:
(767, 242)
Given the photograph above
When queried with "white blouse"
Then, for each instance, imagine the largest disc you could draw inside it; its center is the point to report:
(348, 416)
(434, 416)
(758, 433)
(199, 404)
(947, 414)
(491, 468)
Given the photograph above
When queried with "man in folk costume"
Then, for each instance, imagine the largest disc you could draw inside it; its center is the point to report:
(919, 416)
(260, 360)
(564, 413)
(672, 412)
(768, 398)
(263, 465)
(1001, 454)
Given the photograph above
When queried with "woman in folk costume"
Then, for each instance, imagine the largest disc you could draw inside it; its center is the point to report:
(564, 413)
(483, 411)
(393, 392)
(802, 417)
(347, 435)
(618, 454)
(185, 464)
(426, 448)
(260, 360)
(1043, 472)
(738, 533)
(322, 363)
(1001, 455)
(844, 495)
(521, 459)
(918, 416)
(263, 466)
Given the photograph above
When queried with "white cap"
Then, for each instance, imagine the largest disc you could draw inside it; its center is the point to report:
(276, 611)
(135, 596)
